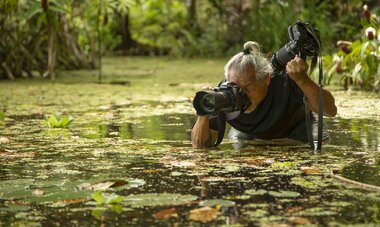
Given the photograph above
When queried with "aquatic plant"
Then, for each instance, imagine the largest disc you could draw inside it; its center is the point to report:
(58, 121)
(103, 198)
(357, 62)
(111, 201)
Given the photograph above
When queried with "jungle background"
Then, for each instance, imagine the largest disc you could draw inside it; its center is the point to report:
(40, 37)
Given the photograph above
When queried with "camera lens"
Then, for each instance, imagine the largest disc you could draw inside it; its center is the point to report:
(208, 103)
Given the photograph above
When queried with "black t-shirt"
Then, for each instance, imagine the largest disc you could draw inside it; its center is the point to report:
(281, 114)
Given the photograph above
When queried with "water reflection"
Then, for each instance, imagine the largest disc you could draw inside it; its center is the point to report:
(355, 133)
(162, 127)
(366, 171)
(362, 133)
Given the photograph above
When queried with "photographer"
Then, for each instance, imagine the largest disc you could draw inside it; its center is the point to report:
(276, 107)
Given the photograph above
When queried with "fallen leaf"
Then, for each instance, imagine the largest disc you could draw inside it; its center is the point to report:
(167, 213)
(310, 170)
(260, 162)
(102, 186)
(38, 192)
(300, 220)
(204, 214)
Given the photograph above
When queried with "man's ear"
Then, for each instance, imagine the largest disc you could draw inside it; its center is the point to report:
(267, 79)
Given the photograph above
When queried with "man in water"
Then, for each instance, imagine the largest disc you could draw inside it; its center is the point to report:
(276, 109)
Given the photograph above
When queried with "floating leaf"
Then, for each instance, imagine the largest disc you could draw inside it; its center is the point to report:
(184, 164)
(217, 202)
(59, 195)
(15, 208)
(158, 199)
(102, 186)
(284, 166)
(317, 211)
(204, 214)
(38, 192)
(284, 194)
(310, 170)
(176, 174)
(167, 213)
(256, 192)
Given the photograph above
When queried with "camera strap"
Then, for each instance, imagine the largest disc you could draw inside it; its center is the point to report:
(320, 108)
(221, 127)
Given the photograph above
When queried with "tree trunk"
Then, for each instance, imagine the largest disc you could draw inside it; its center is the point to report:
(8, 71)
(51, 41)
(127, 42)
(191, 6)
(51, 50)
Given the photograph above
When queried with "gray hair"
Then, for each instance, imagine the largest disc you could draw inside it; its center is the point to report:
(250, 58)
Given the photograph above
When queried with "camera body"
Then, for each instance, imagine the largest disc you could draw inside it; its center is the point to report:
(304, 41)
(227, 97)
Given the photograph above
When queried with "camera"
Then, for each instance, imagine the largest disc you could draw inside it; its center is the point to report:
(304, 41)
(228, 97)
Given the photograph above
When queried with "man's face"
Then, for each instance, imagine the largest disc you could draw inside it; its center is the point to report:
(254, 88)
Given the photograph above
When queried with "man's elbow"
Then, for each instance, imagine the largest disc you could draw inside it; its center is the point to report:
(332, 111)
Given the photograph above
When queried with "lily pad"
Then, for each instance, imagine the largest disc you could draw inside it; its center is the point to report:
(256, 192)
(284, 194)
(157, 199)
(216, 202)
(15, 208)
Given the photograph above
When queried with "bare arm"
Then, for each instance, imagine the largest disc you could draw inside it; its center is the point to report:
(201, 135)
(297, 70)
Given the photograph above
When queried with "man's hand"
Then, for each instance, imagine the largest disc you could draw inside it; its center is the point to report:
(297, 69)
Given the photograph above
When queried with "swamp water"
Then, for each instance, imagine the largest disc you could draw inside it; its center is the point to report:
(126, 159)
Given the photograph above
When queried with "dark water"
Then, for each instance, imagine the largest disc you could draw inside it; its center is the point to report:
(43, 173)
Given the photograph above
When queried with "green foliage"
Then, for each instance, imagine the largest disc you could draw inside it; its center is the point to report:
(358, 63)
(103, 198)
(158, 23)
(112, 201)
(58, 121)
